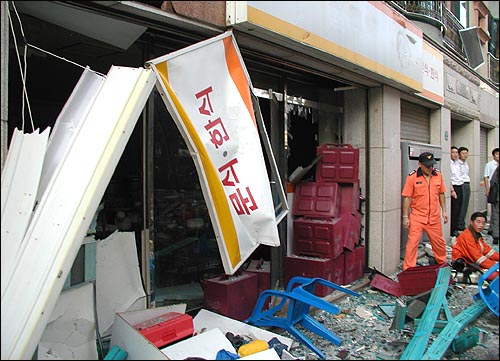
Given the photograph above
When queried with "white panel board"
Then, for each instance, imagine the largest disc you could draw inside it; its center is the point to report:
(20, 179)
(206, 319)
(68, 124)
(118, 278)
(65, 211)
(70, 332)
(204, 345)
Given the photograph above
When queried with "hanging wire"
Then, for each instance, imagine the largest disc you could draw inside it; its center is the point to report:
(24, 69)
(23, 75)
(45, 51)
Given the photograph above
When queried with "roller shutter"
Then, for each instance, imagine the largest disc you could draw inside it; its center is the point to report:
(415, 122)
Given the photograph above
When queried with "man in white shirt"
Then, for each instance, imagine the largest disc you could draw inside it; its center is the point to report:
(456, 191)
(463, 153)
(489, 169)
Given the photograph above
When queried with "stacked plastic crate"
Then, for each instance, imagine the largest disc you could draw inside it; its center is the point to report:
(327, 220)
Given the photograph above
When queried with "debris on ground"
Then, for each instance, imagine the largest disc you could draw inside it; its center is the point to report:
(365, 325)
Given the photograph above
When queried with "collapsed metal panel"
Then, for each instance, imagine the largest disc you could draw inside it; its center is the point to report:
(65, 211)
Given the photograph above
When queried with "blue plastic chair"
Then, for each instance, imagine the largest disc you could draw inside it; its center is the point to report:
(489, 294)
(299, 295)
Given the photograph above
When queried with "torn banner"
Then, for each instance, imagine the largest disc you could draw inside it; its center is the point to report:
(206, 89)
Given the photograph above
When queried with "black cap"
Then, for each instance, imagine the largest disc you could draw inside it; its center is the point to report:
(427, 159)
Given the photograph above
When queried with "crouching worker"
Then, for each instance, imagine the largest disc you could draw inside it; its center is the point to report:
(471, 247)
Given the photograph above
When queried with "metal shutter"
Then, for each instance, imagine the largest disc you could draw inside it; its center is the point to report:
(415, 122)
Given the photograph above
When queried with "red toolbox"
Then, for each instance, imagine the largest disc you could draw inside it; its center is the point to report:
(231, 296)
(318, 237)
(309, 267)
(167, 328)
(315, 199)
(354, 266)
(338, 163)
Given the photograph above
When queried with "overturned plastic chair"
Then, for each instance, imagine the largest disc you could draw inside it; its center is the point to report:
(299, 295)
(489, 294)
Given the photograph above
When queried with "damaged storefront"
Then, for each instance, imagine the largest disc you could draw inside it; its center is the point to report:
(155, 191)
(314, 94)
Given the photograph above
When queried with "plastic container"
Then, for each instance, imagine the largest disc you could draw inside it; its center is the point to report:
(338, 163)
(316, 200)
(231, 296)
(167, 328)
(310, 267)
(318, 237)
(416, 280)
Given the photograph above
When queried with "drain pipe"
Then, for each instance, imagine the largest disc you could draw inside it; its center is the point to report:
(367, 169)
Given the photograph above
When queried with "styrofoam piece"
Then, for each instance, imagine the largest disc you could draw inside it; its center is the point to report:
(206, 319)
(204, 345)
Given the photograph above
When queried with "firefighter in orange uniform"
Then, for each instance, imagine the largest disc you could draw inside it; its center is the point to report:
(423, 193)
(471, 246)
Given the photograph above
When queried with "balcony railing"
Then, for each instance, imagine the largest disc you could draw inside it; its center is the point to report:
(452, 36)
(429, 11)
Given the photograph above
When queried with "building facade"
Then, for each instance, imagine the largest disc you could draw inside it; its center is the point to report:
(390, 78)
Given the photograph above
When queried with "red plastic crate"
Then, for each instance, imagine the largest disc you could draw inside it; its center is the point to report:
(386, 284)
(231, 296)
(167, 328)
(309, 267)
(263, 271)
(349, 197)
(338, 163)
(318, 237)
(351, 230)
(319, 200)
(338, 265)
(354, 265)
(416, 280)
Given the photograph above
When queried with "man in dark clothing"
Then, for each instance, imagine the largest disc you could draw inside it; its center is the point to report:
(493, 197)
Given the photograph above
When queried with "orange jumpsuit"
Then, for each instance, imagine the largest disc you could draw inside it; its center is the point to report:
(473, 249)
(425, 215)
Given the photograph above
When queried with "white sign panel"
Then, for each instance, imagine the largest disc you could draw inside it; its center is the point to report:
(369, 34)
(206, 88)
(433, 74)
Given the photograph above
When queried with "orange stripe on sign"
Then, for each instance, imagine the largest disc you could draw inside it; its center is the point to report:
(229, 234)
(238, 75)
